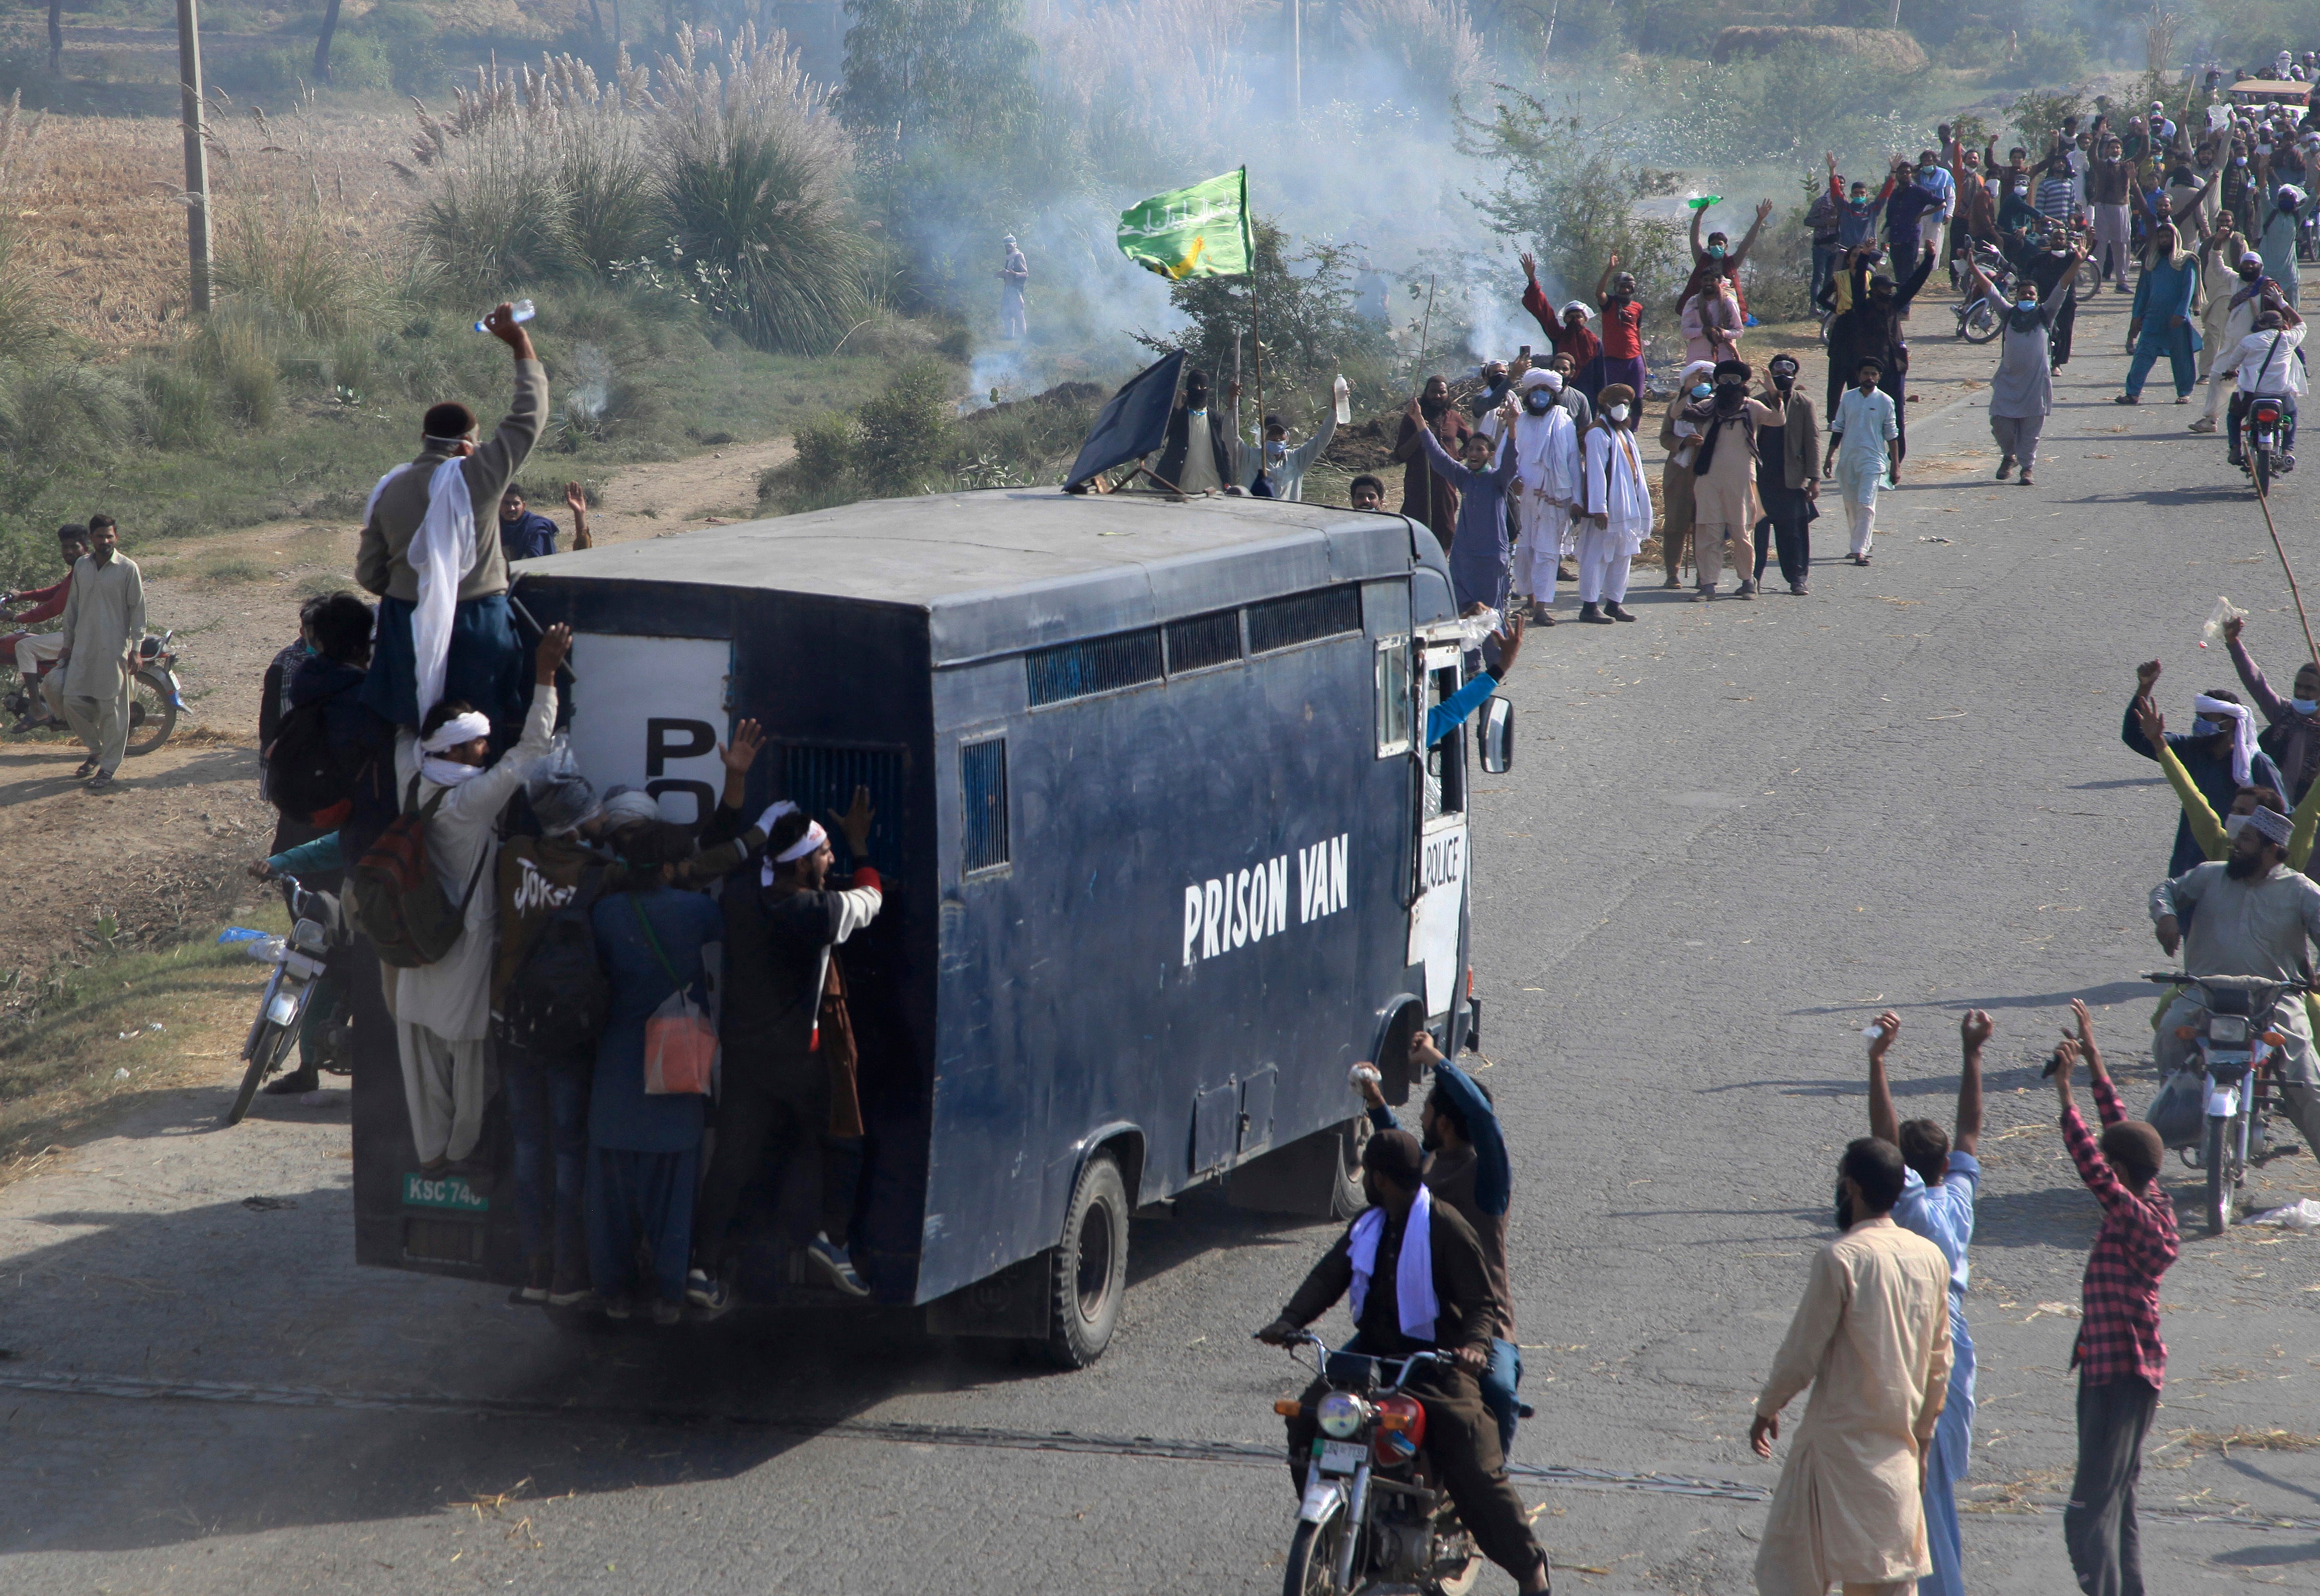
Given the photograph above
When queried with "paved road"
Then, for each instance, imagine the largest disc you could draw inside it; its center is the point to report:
(1735, 833)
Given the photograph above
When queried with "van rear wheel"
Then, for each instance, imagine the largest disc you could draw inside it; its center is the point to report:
(1089, 1267)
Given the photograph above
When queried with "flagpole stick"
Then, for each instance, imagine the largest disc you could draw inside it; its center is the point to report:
(1426, 321)
(1257, 356)
(2263, 502)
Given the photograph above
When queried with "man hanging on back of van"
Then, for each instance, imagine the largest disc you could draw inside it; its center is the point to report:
(443, 625)
(788, 1077)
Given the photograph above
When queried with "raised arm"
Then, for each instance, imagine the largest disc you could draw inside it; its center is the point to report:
(1763, 213)
(1973, 1030)
(2206, 830)
(1699, 254)
(1908, 291)
(1884, 1123)
(1603, 283)
(2062, 283)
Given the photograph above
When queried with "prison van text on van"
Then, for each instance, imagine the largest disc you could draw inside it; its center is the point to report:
(1240, 907)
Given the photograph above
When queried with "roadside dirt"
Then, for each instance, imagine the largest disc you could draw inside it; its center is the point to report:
(164, 851)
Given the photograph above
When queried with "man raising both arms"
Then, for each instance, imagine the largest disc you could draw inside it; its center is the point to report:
(1937, 1193)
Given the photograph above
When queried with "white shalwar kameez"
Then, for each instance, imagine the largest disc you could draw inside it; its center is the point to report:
(1547, 449)
(442, 1010)
(1866, 423)
(1616, 490)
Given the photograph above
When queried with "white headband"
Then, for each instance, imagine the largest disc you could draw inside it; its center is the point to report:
(814, 837)
(458, 729)
(2243, 733)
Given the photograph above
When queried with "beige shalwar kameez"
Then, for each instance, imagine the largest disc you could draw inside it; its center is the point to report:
(1724, 508)
(1871, 1338)
(443, 1011)
(104, 617)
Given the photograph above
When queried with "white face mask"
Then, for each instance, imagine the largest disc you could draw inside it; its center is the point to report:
(1618, 412)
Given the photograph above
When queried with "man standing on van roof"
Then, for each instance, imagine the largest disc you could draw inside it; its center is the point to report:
(443, 626)
(1212, 468)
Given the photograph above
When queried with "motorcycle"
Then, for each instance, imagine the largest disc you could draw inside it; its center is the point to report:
(1372, 1515)
(1979, 318)
(2237, 1050)
(2264, 439)
(155, 698)
(300, 960)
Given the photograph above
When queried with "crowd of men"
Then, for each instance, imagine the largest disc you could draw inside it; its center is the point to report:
(580, 923)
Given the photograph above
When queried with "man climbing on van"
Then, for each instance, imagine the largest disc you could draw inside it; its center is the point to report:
(789, 1057)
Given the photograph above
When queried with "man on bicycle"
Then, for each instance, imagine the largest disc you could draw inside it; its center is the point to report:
(2255, 915)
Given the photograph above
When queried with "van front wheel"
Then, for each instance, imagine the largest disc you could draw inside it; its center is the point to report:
(1089, 1271)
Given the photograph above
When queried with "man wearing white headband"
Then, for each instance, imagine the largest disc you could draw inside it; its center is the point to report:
(2255, 915)
(789, 1087)
(444, 629)
(2213, 754)
(442, 1010)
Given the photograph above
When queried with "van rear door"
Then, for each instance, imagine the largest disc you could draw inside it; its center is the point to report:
(648, 713)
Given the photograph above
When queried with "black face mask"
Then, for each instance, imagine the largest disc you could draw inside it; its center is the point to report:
(1196, 395)
(1784, 380)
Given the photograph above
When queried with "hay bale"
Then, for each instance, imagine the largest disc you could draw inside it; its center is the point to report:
(1884, 47)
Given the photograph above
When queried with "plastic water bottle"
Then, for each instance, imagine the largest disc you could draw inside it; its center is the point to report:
(1344, 394)
(523, 312)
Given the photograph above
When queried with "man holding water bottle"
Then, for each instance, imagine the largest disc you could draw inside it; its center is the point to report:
(422, 528)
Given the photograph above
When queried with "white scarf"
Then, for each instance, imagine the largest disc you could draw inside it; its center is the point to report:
(1413, 1273)
(448, 772)
(2243, 732)
(438, 554)
(1546, 446)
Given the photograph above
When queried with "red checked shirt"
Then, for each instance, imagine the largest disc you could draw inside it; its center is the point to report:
(2118, 1338)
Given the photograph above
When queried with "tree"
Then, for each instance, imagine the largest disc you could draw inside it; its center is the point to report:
(323, 42)
(1310, 319)
(954, 72)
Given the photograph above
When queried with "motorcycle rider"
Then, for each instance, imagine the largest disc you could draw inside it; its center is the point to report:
(1466, 1166)
(40, 649)
(2256, 913)
(2271, 363)
(1447, 1275)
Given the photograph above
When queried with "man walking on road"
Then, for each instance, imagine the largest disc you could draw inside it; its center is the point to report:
(1872, 1339)
(2120, 1358)
(1936, 1203)
(104, 615)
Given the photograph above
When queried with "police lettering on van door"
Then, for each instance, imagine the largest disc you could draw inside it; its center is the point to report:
(1244, 906)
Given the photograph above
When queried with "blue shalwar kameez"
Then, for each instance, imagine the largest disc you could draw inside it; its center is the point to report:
(1944, 1215)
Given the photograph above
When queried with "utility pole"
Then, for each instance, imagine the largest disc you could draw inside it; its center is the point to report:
(197, 160)
(1297, 60)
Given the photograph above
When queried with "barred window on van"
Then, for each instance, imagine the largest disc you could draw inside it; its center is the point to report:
(1099, 665)
(1302, 618)
(983, 790)
(1203, 640)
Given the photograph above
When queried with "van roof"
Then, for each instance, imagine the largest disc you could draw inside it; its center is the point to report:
(1002, 570)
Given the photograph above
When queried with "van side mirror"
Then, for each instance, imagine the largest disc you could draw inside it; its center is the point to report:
(1498, 735)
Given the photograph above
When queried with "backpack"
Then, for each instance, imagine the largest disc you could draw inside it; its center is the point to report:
(302, 776)
(398, 903)
(554, 1005)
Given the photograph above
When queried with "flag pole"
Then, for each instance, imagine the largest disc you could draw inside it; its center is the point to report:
(2264, 502)
(1255, 338)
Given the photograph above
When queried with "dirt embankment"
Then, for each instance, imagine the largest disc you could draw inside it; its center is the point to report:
(162, 854)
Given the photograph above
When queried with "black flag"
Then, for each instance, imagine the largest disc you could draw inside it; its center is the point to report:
(1134, 423)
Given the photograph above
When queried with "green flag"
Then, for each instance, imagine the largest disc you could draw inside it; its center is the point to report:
(1200, 232)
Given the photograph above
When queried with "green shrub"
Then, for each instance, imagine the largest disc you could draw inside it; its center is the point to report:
(180, 409)
(755, 171)
(499, 215)
(234, 353)
(906, 430)
(360, 60)
(55, 414)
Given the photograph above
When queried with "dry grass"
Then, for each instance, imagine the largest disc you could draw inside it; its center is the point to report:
(2192, 1442)
(104, 224)
(2015, 1496)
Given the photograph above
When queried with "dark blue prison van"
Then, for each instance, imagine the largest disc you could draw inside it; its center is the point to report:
(1165, 853)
